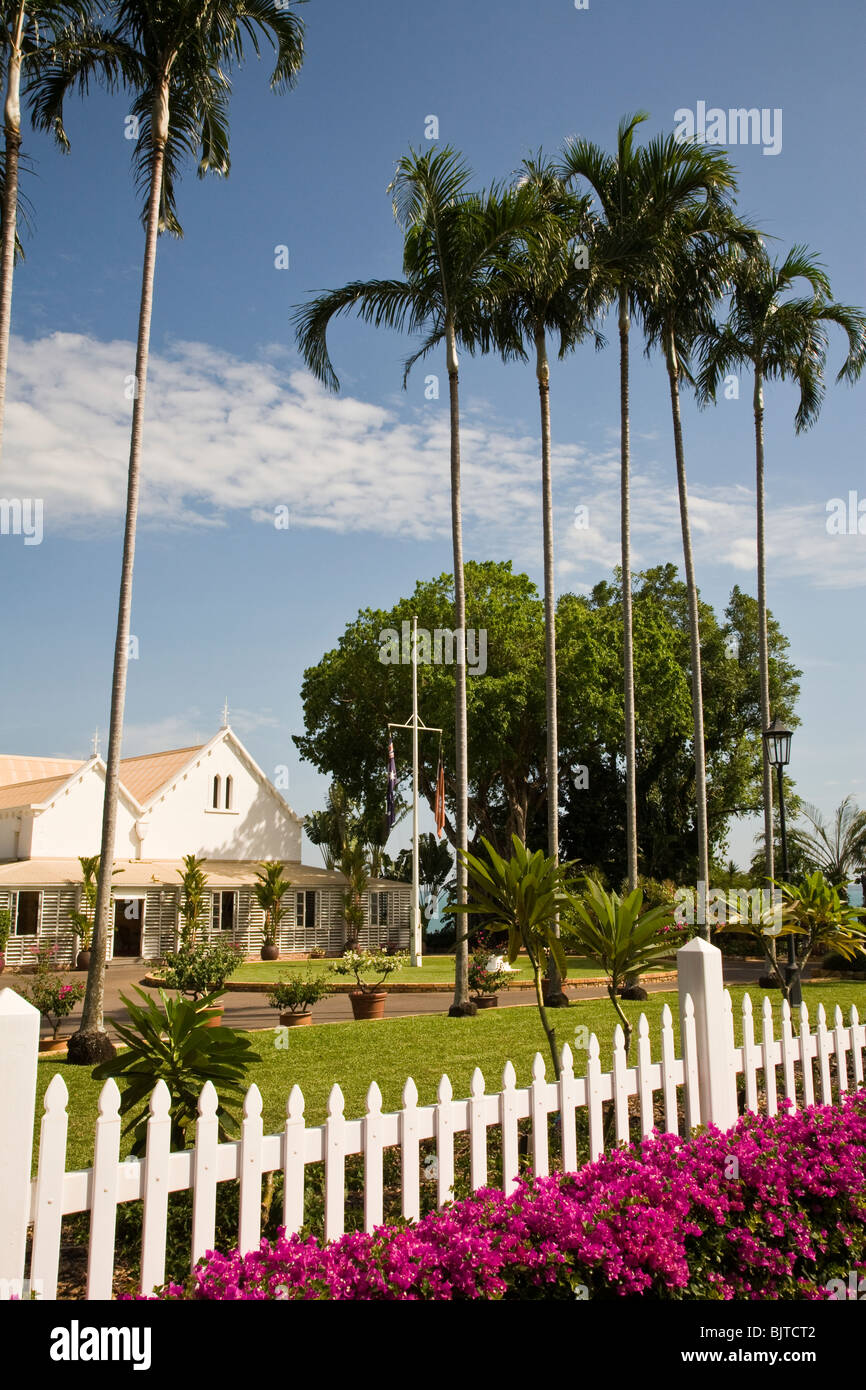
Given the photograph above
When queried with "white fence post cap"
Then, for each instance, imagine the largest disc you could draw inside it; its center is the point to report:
(12, 1003)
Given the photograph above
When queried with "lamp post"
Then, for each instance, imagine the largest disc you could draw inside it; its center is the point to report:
(777, 741)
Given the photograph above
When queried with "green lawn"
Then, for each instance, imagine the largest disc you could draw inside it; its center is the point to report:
(437, 970)
(354, 1054)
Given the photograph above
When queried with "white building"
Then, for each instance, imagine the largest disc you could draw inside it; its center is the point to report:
(212, 801)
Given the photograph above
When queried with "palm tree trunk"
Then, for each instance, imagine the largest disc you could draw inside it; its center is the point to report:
(91, 1042)
(627, 634)
(694, 632)
(12, 129)
(462, 1004)
(763, 647)
(554, 985)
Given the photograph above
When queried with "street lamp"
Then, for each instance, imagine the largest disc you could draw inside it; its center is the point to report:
(777, 742)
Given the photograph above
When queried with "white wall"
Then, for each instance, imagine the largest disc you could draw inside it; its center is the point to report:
(182, 821)
(73, 824)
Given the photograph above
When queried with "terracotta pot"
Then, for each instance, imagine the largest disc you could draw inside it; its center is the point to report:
(290, 1020)
(486, 1001)
(216, 1021)
(270, 952)
(82, 961)
(370, 1005)
(52, 1044)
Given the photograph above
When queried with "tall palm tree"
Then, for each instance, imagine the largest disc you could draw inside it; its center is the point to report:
(636, 192)
(553, 294)
(704, 248)
(27, 32)
(456, 265)
(837, 847)
(175, 57)
(781, 339)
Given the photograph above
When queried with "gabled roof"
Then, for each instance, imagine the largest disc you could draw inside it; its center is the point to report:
(18, 768)
(32, 793)
(144, 776)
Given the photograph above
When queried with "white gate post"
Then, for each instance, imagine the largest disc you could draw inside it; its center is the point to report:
(19, 1055)
(699, 974)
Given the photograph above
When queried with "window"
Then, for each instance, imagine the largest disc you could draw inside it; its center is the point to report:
(379, 909)
(27, 913)
(216, 793)
(306, 908)
(229, 789)
(223, 911)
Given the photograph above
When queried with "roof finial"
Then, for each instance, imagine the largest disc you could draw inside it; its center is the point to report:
(94, 747)
(226, 713)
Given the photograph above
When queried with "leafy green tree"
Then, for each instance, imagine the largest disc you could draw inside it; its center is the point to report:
(455, 263)
(638, 193)
(781, 337)
(175, 58)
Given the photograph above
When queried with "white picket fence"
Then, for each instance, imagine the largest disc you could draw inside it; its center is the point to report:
(705, 1079)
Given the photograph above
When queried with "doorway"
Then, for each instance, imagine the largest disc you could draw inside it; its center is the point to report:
(128, 926)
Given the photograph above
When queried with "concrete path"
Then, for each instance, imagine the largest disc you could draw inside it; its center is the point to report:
(249, 1011)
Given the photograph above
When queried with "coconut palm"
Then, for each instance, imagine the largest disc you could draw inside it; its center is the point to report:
(175, 57)
(780, 339)
(836, 847)
(705, 244)
(553, 294)
(456, 267)
(636, 194)
(27, 33)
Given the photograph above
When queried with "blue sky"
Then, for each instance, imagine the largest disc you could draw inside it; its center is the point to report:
(226, 605)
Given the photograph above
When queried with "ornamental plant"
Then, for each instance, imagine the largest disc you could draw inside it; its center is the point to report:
(661, 1220)
(174, 1044)
(50, 993)
(297, 994)
(367, 963)
(270, 888)
(481, 979)
(5, 928)
(193, 891)
(197, 971)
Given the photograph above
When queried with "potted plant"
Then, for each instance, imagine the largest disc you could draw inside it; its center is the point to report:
(200, 972)
(270, 890)
(5, 929)
(193, 888)
(295, 997)
(83, 920)
(368, 998)
(487, 976)
(52, 995)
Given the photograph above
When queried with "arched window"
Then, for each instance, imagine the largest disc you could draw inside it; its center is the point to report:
(216, 793)
(229, 790)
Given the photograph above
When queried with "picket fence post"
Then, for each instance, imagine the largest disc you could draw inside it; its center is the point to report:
(699, 974)
(19, 1050)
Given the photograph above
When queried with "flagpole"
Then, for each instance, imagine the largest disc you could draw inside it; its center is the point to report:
(416, 877)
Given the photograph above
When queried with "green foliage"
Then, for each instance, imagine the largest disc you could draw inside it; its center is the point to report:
(174, 1044)
(816, 908)
(5, 928)
(361, 963)
(299, 993)
(83, 921)
(193, 887)
(481, 979)
(618, 932)
(270, 888)
(837, 848)
(201, 970)
(54, 996)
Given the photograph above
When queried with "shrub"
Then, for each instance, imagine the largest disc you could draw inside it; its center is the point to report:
(54, 997)
(361, 963)
(298, 993)
(200, 970)
(662, 1220)
(5, 928)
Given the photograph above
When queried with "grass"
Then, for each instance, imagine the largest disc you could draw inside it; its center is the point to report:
(355, 1054)
(435, 970)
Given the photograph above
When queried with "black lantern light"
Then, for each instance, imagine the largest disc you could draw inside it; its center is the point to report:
(777, 741)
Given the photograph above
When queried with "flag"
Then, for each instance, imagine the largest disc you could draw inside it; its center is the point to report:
(392, 785)
(439, 808)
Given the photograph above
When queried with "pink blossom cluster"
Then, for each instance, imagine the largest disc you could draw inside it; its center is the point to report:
(774, 1208)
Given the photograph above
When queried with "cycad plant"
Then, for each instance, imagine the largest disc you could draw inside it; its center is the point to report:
(456, 267)
(175, 58)
(637, 192)
(780, 336)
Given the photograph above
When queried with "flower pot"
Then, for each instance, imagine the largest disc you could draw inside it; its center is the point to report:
(370, 1005)
(216, 1021)
(52, 1045)
(486, 1001)
(290, 1020)
(270, 952)
(82, 960)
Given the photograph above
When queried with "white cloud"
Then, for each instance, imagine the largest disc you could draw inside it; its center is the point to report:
(225, 436)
